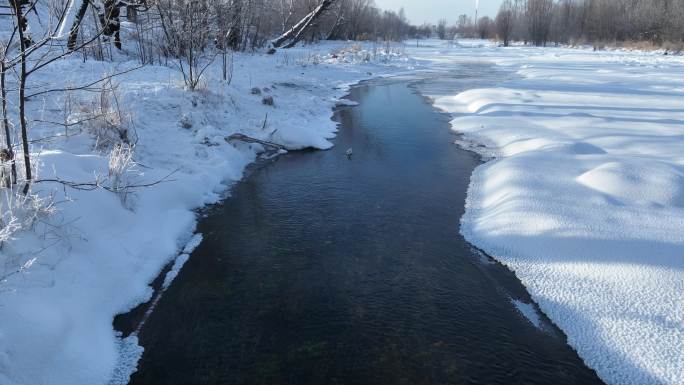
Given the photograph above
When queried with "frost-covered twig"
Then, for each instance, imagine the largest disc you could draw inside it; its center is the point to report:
(85, 86)
(100, 184)
(19, 211)
(249, 139)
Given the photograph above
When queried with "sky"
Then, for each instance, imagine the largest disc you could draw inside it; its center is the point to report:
(419, 11)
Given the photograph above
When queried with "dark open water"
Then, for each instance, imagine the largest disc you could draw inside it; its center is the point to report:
(326, 270)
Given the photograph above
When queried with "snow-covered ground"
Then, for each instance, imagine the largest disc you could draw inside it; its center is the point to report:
(584, 196)
(583, 199)
(62, 283)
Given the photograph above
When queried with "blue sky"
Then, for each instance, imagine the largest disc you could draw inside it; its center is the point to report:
(419, 11)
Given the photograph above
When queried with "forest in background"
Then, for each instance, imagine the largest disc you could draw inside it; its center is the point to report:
(636, 23)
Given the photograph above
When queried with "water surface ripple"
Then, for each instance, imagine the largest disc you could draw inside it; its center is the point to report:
(326, 270)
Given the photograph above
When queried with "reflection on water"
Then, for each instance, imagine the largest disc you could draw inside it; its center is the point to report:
(326, 270)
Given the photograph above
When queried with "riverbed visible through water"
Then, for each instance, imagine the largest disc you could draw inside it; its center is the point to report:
(325, 269)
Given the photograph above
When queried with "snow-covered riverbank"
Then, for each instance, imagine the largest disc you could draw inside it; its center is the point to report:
(584, 198)
(93, 259)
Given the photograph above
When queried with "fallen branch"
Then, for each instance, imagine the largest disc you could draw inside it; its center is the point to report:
(249, 139)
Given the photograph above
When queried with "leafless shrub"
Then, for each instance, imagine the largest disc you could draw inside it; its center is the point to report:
(121, 167)
(107, 120)
(20, 212)
(186, 26)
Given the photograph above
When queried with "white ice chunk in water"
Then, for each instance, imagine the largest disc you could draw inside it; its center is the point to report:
(193, 243)
(528, 311)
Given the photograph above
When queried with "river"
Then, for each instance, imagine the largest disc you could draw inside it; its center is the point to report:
(326, 269)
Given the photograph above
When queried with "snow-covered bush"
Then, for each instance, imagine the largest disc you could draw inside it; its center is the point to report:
(107, 120)
(356, 53)
(19, 211)
(121, 165)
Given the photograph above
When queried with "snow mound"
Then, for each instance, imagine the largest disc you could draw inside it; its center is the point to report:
(129, 353)
(639, 183)
(584, 199)
(582, 148)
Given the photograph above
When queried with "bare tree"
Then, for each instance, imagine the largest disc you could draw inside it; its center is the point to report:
(442, 29)
(21, 23)
(504, 22)
(76, 26)
(188, 36)
(9, 148)
(538, 14)
(658, 22)
(33, 53)
(485, 27)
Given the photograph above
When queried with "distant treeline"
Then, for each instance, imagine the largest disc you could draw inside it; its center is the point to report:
(540, 22)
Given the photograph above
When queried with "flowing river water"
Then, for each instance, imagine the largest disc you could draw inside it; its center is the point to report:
(322, 269)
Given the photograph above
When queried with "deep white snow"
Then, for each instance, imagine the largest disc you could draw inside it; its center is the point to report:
(584, 198)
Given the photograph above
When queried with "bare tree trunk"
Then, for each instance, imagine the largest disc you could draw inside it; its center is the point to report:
(339, 19)
(22, 91)
(285, 19)
(73, 32)
(235, 36)
(296, 33)
(109, 19)
(5, 120)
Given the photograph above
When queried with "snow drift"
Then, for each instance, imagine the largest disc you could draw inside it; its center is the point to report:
(584, 198)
